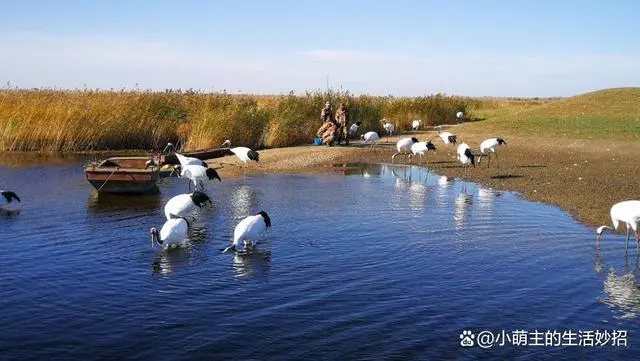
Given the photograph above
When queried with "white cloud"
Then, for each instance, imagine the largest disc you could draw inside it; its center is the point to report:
(36, 60)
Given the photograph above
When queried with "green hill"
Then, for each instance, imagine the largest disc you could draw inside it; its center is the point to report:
(610, 114)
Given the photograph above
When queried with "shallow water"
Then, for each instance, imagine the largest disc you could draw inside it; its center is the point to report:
(382, 262)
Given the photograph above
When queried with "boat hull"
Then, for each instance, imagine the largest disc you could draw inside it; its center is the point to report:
(125, 175)
(200, 154)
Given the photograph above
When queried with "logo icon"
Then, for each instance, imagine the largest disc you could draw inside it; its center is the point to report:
(466, 338)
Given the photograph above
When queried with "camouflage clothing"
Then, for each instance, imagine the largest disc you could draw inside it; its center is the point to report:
(327, 132)
(327, 113)
(342, 120)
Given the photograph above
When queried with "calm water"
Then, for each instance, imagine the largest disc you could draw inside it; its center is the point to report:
(380, 263)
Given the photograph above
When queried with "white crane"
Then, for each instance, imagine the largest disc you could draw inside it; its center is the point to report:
(197, 174)
(7, 197)
(249, 231)
(370, 138)
(404, 147)
(172, 233)
(243, 153)
(627, 212)
(388, 127)
(184, 160)
(415, 125)
(459, 116)
(354, 128)
(421, 148)
(183, 205)
(489, 146)
(447, 137)
(6, 202)
(465, 155)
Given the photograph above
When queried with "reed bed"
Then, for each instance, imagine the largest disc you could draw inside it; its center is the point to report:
(85, 120)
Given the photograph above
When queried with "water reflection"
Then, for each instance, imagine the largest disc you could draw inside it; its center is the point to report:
(401, 185)
(402, 178)
(28, 159)
(167, 262)
(244, 200)
(418, 192)
(107, 202)
(372, 170)
(442, 190)
(622, 291)
(246, 266)
(597, 263)
(463, 203)
(486, 198)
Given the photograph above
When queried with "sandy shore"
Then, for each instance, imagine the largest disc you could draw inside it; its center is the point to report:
(583, 177)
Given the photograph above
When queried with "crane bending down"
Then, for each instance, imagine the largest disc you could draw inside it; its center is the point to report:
(421, 148)
(249, 231)
(7, 197)
(172, 233)
(627, 212)
(183, 205)
(197, 175)
(6, 202)
(447, 137)
(370, 138)
(489, 146)
(465, 155)
(404, 147)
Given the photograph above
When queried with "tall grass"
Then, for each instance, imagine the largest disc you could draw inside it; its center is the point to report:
(81, 120)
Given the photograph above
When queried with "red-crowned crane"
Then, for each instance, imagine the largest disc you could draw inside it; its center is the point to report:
(404, 147)
(248, 231)
(627, 212)
(489, 146)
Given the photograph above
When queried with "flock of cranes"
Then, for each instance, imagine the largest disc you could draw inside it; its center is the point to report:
(183, 207)
(625, 212)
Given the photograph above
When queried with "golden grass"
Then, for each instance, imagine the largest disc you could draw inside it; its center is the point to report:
(81, 120)
(49, 120)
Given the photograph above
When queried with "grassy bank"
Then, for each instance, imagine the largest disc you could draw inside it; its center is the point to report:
(606, 114)
(49, 120)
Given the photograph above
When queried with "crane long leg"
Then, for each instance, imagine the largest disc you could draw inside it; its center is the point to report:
(497, 160)
(627, 232)
(489, 160)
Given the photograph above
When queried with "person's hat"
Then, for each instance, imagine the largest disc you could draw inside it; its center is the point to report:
(327, 103)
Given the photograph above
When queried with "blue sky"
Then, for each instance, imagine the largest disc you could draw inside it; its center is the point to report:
(492, 48)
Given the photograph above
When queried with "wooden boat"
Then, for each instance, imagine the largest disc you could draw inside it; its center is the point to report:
(200, 154)
(124, 174)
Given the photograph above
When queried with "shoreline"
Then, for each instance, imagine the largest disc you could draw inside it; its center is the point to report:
(577, 176)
